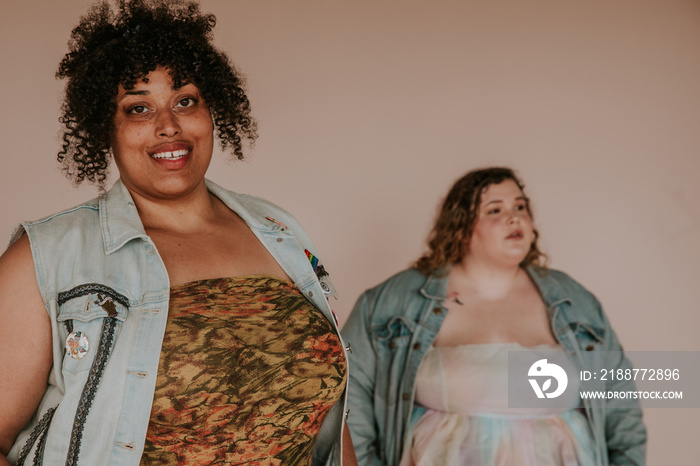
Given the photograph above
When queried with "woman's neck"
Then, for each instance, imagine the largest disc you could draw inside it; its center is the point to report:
(184, 214)
(485, 281)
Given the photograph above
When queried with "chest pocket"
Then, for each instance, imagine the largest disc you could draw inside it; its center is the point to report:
(396, 333)
(589, 338)
(90, 316)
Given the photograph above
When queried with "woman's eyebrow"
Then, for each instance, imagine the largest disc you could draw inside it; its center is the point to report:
(495, 201)
(133, 92)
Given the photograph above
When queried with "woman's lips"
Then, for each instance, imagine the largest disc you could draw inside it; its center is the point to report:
(170, 155)
(515, 235)
(170, 151)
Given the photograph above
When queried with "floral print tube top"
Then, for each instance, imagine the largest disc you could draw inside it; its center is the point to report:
(248, 371)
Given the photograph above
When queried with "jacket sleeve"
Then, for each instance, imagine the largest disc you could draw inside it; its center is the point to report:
(625, 432)
(363, 361)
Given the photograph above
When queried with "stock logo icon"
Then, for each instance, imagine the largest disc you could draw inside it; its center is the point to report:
(547, 371)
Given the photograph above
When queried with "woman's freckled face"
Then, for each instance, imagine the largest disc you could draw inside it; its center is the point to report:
(503, 231)
(163, 137)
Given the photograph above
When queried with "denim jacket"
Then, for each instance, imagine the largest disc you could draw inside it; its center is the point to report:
(393, 325)
(96, 409)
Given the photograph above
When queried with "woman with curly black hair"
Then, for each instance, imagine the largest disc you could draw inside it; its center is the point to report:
(168, 321)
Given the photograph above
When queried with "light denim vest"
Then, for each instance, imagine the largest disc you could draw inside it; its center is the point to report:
(96, 409)
(393, 325)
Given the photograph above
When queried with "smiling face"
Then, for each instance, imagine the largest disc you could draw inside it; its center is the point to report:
(503, 232)
(163, 137)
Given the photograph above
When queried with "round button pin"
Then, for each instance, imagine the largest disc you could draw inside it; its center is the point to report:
(77, 345)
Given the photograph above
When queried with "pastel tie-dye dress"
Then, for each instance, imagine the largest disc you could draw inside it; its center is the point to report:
(248, 371)
(469, 423)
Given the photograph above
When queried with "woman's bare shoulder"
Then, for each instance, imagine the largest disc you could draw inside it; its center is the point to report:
(17, 265)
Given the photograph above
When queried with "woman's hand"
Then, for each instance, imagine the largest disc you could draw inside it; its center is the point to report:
(25, 343)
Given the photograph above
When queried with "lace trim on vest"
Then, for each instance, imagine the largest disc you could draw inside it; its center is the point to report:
(88, 288)
(40, 430)
(39, 453)
(88, 395)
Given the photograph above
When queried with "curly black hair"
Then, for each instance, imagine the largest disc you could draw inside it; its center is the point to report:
(119, 46)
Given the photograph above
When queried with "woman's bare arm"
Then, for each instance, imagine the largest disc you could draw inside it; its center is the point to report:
(25, 343)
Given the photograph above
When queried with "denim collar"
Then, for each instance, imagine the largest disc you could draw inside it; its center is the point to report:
(252, 213)
(435, 286)
(550, 289)
(119, 219)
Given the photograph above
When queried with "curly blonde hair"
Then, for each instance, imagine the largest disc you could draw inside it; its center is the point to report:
(448, 241)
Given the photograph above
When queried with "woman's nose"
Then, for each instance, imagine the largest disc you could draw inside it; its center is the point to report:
(167, 124)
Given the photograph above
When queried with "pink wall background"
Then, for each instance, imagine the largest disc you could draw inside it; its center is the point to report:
(370, 110)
